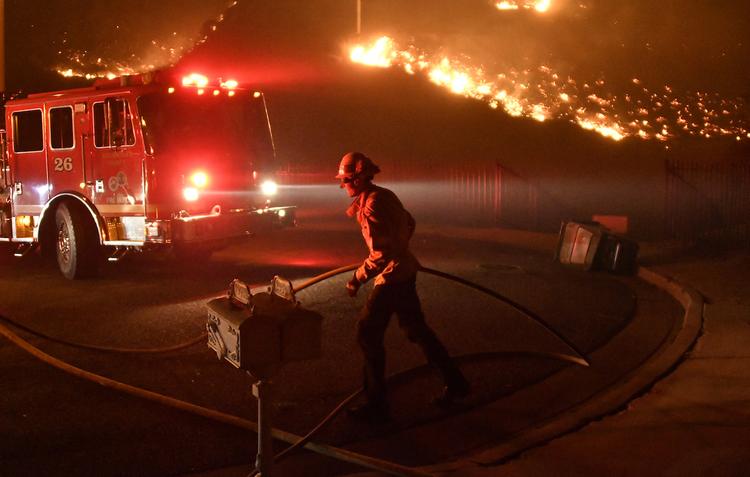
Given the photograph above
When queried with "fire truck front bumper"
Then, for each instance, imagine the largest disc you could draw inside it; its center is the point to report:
(221, 227)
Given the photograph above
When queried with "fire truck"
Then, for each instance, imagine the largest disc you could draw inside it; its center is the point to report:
(133, 163)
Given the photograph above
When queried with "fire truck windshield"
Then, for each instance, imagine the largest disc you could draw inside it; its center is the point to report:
(227, 128)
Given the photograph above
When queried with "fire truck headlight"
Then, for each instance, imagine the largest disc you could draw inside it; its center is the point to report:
(190, 194)
(269, 188)
(199, 179)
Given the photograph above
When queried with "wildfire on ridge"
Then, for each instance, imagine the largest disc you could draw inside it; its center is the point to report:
(540, 6)
(83, 64)
(543, 93)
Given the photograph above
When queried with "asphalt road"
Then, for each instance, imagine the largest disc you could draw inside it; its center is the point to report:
(56, 424)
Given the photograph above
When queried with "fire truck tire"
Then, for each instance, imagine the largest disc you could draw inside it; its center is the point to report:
(76, 244)
(4, 224)
(5, 248)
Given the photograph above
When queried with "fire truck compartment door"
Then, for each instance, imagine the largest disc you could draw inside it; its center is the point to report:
(116, 156)
(28, 160)
(65, 162)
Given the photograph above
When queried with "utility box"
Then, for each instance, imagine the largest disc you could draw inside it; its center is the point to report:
(260, 332)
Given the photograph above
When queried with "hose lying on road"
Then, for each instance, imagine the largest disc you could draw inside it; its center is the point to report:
(580, 359)
(106, 349)
(329, 451)
(295, 441)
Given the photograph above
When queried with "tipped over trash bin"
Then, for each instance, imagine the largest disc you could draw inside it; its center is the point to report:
(591, 246)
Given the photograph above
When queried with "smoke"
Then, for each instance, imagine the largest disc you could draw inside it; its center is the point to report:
(692, 44)
(616, 70)
(675, 60)
(93, 38)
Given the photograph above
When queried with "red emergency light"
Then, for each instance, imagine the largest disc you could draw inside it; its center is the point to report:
(195, 79)
(201, 83)
(198, 180)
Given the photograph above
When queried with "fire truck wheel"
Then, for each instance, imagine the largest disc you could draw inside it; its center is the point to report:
(4, 224)
(5, 248)
(76, 244)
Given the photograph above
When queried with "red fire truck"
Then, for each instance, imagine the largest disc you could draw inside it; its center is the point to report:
(137, 162)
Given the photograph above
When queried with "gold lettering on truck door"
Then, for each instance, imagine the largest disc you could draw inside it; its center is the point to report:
(63, 164)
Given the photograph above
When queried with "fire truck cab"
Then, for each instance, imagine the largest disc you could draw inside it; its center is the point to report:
(136, 162)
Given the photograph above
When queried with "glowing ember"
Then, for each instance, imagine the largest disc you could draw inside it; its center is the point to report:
(380, 54)
(506, 6)
(540, 6)
(544, 94)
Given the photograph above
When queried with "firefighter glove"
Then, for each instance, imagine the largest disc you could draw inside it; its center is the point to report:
(352, 286)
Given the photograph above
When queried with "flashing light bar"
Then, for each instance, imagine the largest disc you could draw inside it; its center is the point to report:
(229, 84)
(195, 79)
(201, 81)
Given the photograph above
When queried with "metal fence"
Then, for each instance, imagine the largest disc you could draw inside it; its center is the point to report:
(485, 195)
(708, 201)
(495, 195)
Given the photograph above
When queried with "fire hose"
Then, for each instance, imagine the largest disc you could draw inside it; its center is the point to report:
(295, 441)
(106, 349)
(580, 359)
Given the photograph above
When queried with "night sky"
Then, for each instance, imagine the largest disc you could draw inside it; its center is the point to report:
(692, 44)
(322, 104)
(639, 56)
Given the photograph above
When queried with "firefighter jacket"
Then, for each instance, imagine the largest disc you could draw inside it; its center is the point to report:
(386, 228)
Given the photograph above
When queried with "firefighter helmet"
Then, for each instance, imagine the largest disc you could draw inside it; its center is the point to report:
(356, 165)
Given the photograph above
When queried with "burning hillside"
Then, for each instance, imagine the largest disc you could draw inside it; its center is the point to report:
(543, 93)
(525, 67)
(620, 70)
(105, 40)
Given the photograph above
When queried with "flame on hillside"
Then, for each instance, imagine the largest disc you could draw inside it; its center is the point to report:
(544, 93)
(159, 53)
(540, 6)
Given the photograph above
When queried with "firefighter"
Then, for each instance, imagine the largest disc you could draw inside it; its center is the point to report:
(387, 228)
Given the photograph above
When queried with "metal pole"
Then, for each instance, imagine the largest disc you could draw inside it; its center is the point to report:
(2, 45)
(264, 459)
(359, 16)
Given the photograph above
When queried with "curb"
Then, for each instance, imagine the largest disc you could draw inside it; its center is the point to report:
(681, 339)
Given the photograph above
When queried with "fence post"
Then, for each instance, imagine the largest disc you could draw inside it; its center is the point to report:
(498, 199)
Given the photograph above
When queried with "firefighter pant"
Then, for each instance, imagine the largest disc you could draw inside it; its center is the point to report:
(401, 299)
